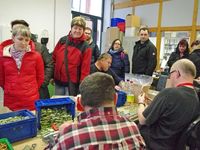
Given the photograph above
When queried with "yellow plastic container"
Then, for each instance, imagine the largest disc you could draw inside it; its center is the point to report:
(130, 98)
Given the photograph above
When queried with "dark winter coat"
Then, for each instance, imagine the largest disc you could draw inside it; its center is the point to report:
(120, 62)
(195, 58)
(144, 58)
(95, 52)
(176, 56)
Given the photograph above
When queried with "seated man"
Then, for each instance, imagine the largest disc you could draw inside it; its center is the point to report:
(103, 64)
(172, 110)
(100, 126)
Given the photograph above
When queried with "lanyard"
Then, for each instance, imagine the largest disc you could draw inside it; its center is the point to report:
(185, 84)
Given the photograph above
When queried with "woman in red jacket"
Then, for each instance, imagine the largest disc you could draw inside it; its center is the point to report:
(72, 57)
(21, 70)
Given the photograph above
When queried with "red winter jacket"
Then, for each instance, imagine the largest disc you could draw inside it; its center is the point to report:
(78, 61)
(20, 86)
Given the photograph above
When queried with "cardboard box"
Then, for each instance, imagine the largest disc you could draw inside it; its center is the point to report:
(132, 21)
(112, 33)
(131, 31)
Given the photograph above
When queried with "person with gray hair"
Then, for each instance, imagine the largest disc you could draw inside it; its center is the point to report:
(21, 70)
(99, 126)
(172, 110)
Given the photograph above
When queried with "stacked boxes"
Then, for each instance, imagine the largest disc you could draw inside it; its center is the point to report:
(18, 130)
(132, 25)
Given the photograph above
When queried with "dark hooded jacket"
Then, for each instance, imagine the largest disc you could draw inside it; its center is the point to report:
(120, 62)
(176, 56)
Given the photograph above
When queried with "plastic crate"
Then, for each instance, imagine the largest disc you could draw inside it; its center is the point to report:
(115, 21)
(54, 103)
(19, 130)
(121, 100)
(5, 141)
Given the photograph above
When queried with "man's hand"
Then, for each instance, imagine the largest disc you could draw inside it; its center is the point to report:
(141, 98)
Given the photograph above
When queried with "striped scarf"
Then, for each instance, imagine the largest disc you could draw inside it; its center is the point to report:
(17, 55)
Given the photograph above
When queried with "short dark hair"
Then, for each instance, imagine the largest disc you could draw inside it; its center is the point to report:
(96, 89)
(23, 22)
(144, 29)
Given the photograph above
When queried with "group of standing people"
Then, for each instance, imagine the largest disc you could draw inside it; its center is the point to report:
(75, 56)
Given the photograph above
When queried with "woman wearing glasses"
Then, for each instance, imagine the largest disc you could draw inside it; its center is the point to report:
(120, 61)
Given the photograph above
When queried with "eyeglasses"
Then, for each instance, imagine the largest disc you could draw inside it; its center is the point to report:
(171, 73)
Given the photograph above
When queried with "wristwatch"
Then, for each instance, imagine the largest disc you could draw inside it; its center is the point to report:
(142, 103)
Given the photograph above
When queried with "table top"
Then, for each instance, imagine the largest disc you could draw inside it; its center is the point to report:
(20, 145)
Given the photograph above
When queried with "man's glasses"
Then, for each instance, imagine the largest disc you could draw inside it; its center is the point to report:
(172, 72)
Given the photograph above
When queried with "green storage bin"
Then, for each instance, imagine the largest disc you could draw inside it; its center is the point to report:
(5, 141)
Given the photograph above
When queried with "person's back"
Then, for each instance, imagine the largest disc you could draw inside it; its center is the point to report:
(99, 126)
(172, 110)
(180, 106)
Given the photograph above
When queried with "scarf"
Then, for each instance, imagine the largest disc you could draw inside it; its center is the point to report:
(17, 55)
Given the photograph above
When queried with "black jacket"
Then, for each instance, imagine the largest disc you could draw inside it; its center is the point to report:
(94, 69)
(95, 52)
(48, 63)
(176, 56)
(195, 58)
(144, 58)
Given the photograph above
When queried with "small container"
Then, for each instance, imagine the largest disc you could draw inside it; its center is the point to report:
(5, 141)
(130, 98)
(18, 130)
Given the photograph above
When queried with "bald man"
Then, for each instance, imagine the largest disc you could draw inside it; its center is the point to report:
(172, 110)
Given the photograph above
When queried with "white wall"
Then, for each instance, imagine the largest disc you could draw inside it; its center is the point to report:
(53, 15)
(178, 13)
(175, 13)
(148, 14)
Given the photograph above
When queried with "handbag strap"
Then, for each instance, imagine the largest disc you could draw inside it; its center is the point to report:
(66, 60)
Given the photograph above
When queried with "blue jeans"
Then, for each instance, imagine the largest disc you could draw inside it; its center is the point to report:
(61, 90)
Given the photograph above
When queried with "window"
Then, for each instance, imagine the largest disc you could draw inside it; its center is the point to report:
(91, 7)
(92, 11)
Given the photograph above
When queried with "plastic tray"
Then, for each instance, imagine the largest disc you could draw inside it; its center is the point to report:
(52, 103)
(18, 130)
